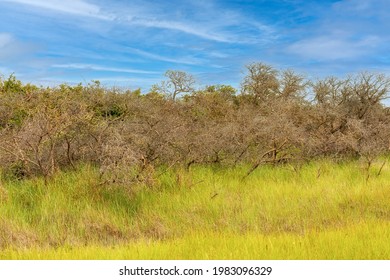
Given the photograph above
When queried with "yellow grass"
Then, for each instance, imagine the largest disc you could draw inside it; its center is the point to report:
(323, 211)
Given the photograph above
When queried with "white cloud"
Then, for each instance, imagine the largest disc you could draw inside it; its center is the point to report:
(117, 81)
(5, 39)
(217, 27)
(101, 68)
(120, 79)
(182, 60)
(205, 24)
(356, 5)
(333, 48)
(76, 7)
(182, 27)
(207, 20)
(217, 54)
(11, 49)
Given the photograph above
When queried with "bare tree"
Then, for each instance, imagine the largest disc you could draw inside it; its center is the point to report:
(178, 82)
(261, 81)
(292, 85)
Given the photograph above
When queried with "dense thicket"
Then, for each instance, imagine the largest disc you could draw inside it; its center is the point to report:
(277, 117)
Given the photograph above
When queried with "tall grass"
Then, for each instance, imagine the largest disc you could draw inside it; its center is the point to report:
(320, 210)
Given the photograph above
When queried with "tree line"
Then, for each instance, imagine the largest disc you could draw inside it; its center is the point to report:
(276, 117)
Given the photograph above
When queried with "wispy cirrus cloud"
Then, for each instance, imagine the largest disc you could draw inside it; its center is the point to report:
(75, 7)
(208, 20)
(102, 68)
(5, 39)
(211, 26)
(328, 48)
(347, 36)
(198, 31)
(128, 40)
(11, 48)
(177, 60)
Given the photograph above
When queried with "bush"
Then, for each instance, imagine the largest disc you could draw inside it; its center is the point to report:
(127, 134)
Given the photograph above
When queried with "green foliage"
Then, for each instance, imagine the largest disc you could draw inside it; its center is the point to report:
(12, 85)
(17, 118)
(113, 111)
(16, 171)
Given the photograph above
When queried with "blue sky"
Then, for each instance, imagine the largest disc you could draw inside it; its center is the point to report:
(132, 43)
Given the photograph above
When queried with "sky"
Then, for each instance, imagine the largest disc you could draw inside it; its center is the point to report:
(132, 43)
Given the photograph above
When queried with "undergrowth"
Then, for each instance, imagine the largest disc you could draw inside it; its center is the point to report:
(321, 210)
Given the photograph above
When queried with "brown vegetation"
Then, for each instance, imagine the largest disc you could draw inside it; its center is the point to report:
(278, 117)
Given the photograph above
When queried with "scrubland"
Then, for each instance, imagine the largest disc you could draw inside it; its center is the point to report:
(283, 168)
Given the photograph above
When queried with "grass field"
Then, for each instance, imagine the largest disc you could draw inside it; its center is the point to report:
(323, 210)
